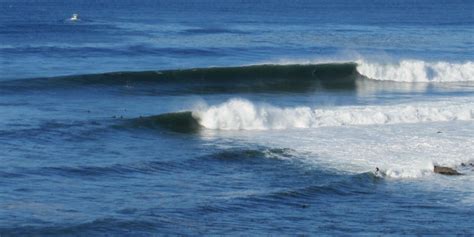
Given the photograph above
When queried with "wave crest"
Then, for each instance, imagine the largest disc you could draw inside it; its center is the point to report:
(418, 71)
(240, 114)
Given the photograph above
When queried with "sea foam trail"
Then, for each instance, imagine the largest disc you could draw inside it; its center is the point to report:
(417, 71)
(399, 151)
(240, 114)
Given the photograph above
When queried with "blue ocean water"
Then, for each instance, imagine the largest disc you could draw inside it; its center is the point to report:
(236, 117)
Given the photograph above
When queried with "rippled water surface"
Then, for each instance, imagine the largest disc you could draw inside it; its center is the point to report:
(236, 118)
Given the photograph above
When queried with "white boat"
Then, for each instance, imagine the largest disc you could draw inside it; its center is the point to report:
(75, 17)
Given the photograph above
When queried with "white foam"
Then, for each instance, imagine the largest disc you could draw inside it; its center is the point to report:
(418, 71)
(400, 151)
(240, 114)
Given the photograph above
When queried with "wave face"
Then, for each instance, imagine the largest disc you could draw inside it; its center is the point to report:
(226, 79)
(182, 122)
(240, 114)
(418, 71)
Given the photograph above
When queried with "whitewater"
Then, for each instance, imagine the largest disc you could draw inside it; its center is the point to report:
(239, 114)
(417, 71)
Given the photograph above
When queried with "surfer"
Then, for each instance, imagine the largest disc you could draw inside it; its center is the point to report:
(377, 171)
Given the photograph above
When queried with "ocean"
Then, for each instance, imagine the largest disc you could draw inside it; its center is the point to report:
(238, 117)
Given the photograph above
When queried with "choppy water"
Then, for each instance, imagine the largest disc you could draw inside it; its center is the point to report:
(236, 118)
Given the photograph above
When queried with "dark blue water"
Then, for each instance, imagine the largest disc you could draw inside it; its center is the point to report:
(120, 124)
(129, 35)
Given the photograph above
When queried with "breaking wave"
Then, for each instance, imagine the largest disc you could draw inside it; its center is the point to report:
(284, 77)
(418, 71)
(240, 114)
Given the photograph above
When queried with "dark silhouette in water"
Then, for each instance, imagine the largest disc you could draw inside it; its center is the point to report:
(437, 169)
(445, 170)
